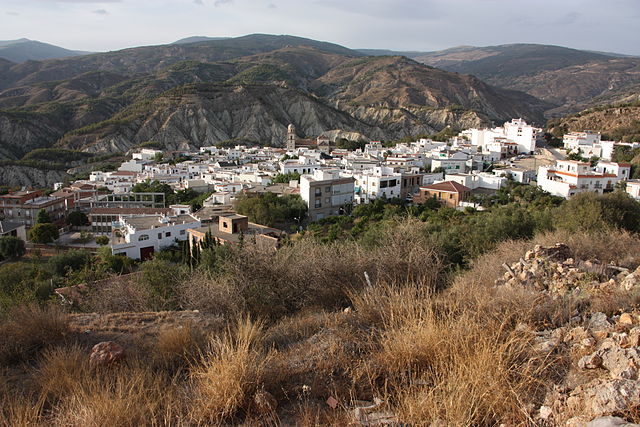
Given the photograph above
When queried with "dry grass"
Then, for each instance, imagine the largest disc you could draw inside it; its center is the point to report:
(179, 345)
(228, 374)
(462, 356)
(28, 329)
(440, 359)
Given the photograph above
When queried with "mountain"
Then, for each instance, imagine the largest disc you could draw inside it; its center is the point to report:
(22, 50)
(196, 39)
(246, 89)
(569, 78)
(616, 122)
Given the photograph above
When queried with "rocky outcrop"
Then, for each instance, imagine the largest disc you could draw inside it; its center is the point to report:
(602, 352)
(19, 176)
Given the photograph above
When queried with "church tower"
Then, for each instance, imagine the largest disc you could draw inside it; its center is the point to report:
(291, 138)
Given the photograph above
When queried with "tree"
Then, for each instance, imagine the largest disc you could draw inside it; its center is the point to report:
(284, 178)
(43, 233)
(77, 219)
(102, 240)
(43, 217)
(11, 247)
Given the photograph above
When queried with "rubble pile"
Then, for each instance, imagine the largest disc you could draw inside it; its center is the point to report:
(552, 270)
(599, 385)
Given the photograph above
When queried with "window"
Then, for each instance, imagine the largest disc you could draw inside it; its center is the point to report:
(160, 236)
(327, 200)
(383, 184)
(318, 203)
(143, 237)
(318, 192)
(392, 183)
(327, 189)
(182, 232)
(167, 234)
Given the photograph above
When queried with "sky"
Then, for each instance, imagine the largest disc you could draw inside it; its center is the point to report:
(421, 25)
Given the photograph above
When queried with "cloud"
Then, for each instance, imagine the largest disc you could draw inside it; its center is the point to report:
(222, 2)
(12, 13)
(101, 12)
(383, 9)
(80, 1)
(199, 2)
(272, 6)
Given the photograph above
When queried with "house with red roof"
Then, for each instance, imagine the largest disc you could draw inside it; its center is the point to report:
(449, 193)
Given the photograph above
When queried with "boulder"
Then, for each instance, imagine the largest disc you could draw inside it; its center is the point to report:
(106, 353)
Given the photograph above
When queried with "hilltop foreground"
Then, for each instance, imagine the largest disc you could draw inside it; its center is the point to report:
(536, 332)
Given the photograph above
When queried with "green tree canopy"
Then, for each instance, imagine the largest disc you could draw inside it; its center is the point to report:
(11, 247)
(77, 219)
(44, 233)
(43, 217)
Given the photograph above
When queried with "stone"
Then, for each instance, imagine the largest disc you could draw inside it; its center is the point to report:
(620, 362)
(599, 322)
(610, 422)
(545, 412)
(332, 402)
(264, 402)
(591, 361)
(106, 353)
(625, 319)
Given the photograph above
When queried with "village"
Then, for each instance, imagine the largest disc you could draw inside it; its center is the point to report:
(329, 180)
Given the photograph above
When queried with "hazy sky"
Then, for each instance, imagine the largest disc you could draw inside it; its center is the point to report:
(607, 25)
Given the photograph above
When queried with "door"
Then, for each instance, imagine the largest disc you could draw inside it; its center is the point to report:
(146, 253)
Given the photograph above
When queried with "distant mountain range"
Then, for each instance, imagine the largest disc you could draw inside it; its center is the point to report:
(22, 50)
(570, 79)
(245, 89)
(202, 91)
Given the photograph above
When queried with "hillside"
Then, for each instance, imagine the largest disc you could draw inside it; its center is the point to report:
(543, 330)
(568, 78)
(242, 90)
(617, 122)
(22, 50)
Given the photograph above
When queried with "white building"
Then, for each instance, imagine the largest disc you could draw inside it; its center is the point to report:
(146, 154)
(479, 180)
(140, 237)
(633, 188)
(379, 182)
(570, 177)
(326, 193)
(516, 132)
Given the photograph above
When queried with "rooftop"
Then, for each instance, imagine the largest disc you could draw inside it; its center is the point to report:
(448, 186)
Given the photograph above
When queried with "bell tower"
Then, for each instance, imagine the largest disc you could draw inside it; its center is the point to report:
(291, 138)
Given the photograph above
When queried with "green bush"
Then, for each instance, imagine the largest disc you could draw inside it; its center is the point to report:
(44, 233)
(11, 247)
(62, 263)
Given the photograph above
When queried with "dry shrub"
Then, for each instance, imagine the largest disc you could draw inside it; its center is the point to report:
(123, 396)
(294, 329)
(61, 370)
(118, 294)
(178, 345)
(210, 293)
(440, 359)
(20, 411)
(27, 329)
(311, 274)
(228, 374)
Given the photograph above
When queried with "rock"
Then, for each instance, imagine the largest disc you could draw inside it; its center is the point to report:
(599, 322)
(592, 361)
(264, 402)
(610, 422)
(332, 402)
(620, 362)
(545, 412)
(625, 319)
(106, 353)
